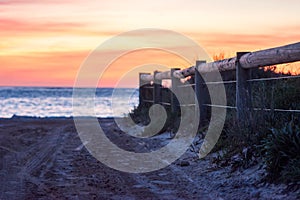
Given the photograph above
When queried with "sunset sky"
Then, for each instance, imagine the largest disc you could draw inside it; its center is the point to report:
(44, 42)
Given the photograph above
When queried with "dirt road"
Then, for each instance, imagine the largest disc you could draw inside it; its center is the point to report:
(45, 159)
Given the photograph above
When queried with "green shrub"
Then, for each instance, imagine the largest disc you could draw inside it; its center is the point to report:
(281, 150)
(140, 115)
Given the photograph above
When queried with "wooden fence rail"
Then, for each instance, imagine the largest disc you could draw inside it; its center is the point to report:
(242, 63)
(273, 56)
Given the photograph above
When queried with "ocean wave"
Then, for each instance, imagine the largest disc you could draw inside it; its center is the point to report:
(58, 102)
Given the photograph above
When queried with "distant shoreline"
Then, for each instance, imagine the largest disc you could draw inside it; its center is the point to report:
(68, 87)
(54, 118)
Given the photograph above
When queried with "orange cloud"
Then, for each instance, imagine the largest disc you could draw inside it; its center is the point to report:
(41, 69)
(130, 65)
(246, 41)
(60, 68)
(56, 63)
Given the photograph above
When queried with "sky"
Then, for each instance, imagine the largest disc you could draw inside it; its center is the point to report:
(44, 42)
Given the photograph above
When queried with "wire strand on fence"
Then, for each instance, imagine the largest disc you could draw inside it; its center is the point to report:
(186, 85)
(165, 103)
(148, 101)
(148, 87)
(219, 82)
(276, 110)
(219, 106)
(256, 109)
(230, 107)
(274, 78)
(187, 105)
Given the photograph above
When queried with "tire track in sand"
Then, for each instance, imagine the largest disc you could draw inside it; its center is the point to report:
(30, 165)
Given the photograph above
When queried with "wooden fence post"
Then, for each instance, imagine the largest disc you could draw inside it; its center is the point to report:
(157, 98)
(141, 84)
(191, 96)
(202, 94)
(243, 94)
(175, 83)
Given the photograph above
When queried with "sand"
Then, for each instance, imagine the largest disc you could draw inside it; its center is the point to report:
(45, 159)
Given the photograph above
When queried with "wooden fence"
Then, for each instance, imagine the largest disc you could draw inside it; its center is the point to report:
(151, 90)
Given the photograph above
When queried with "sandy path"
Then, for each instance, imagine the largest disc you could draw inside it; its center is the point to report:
(45, 159)
(29, 164)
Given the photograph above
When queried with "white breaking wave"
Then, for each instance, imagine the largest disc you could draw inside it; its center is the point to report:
(57, 102)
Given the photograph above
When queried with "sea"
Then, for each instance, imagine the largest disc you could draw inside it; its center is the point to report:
(58, 102)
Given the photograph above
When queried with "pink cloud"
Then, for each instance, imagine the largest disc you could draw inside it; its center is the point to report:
(12, 2)
(11, 25)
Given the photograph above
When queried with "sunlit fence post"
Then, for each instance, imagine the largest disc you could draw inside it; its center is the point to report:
(175, 83)
(157, 84)
(141, 87)
(201, 93)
